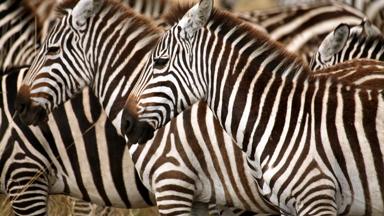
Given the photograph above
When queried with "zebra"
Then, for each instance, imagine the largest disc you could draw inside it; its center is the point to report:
(314, 144)
(228, 4)
(77, 152)
(365, 73)
(372, 8)
(18, 29)
(348, 42)
(24, 25)
(28, 31)
(186, 172)
(150, 8)
(301, 28)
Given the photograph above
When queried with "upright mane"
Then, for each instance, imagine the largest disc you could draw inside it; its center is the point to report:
(176, 12)
(357, 37)
(227, 23)
(120, 8)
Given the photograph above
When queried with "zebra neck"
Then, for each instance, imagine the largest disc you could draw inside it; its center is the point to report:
(246, 101)
(117, 51)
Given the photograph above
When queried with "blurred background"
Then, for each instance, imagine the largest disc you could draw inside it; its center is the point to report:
(62, 205)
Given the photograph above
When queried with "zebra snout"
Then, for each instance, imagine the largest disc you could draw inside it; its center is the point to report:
(30, 114)
(136, 131)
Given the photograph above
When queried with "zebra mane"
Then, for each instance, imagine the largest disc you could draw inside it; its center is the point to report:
(176, 12)
(119, 7)
(359, 37)
(227, 21)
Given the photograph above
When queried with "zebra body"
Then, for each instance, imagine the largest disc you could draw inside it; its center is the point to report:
(315, 144)
(185, 171)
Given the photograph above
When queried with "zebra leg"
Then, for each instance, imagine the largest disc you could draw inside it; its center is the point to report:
(174, 197)
(83, 208)
(319, 199)
(28, 193)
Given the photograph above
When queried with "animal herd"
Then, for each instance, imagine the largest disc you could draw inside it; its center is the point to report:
(193, 109)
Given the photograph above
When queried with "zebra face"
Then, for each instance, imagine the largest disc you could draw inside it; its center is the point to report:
(174, 83)
(167, 92)
(59, 71)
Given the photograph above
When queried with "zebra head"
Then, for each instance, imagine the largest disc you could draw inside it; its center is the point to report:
(337, 45)
(172, 83)
(61, 68)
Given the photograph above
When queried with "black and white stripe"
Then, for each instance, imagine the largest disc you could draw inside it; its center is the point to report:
(77, 152)
(186, 162)
(349, 42)
(315, 144)
(372, 8)
(18, 33)
(301, 28)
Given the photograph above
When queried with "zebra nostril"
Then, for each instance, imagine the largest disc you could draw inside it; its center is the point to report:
(21, 107)
(129, 124)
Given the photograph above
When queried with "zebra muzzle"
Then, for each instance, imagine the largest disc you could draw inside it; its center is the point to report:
(30, 114)
(136, 131)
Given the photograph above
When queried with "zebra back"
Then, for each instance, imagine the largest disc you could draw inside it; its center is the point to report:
(301, 28)
(348, 42)
(373, 9)
(365, 73)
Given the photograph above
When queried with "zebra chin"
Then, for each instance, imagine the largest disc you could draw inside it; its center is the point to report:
(29, 113)
(136, 131)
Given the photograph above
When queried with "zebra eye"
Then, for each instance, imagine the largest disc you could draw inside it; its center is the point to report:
(53, 50)
(160, 63)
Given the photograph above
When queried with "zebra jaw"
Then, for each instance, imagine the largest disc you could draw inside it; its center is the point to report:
(29, 113)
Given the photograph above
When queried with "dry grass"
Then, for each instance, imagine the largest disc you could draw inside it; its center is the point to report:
(62, 205)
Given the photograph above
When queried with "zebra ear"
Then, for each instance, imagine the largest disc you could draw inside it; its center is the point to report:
(335, 41)
(195, 18)
(83, 10)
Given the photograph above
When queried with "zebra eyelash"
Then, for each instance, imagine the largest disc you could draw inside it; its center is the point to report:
(160, 62)
(53, 50)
